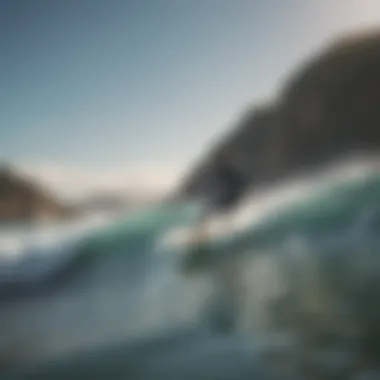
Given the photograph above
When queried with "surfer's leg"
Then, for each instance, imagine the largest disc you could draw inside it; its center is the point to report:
(201, 230)
(226, 222)
(198, 237)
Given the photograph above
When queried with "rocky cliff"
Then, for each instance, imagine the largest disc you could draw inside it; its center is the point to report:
(326, 109)
(22, 200)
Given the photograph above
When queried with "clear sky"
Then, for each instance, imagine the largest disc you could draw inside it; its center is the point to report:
(102, 85)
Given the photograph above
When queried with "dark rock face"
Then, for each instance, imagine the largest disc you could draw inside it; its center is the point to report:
(328, 108)
(331, 108)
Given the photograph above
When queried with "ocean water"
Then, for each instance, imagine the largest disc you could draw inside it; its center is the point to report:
(129, 299)
(96, 285)
(22, 243)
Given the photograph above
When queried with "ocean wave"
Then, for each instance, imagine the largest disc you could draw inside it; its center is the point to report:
(119, 283)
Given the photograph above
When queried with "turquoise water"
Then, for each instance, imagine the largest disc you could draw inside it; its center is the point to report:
(120, 285)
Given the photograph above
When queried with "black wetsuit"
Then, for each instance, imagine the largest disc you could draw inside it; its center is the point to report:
(230, 185)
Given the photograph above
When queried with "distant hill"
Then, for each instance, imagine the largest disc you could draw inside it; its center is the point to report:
(116, 201)
(107, 201)
(21, 199)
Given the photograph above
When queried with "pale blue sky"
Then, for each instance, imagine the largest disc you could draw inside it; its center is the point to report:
(110, 83)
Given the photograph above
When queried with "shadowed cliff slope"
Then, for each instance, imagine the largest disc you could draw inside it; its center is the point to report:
(328, 108)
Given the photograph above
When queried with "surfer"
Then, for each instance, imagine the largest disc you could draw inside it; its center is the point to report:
(228, 183)
(226, 186)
